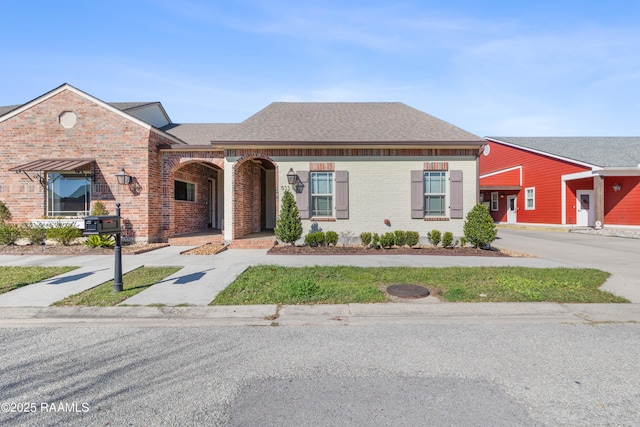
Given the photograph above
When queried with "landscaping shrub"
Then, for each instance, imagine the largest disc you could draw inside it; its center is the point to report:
(63, 233)
(375, 241)
(413, 238)
(331, 237)
(5, 213)
(479, 229)
(315, 238)
(9, 233)
(36, 233)
(447, 239)
(387, 240)
(400, 238)
(365, 238)
(100, 241)
(289, 225)
(463, 241)
(434, 237)
(98, 208)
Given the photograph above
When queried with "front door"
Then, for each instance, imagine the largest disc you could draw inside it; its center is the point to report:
(511, 210)
(584, 208)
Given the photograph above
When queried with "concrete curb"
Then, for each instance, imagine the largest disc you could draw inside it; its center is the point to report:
(354, 314)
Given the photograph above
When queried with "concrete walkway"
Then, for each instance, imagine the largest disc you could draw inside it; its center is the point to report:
(202, 277)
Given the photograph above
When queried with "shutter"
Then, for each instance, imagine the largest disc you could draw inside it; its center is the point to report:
(456, 194)
(342, 195)
(417, 194)
(303, 194)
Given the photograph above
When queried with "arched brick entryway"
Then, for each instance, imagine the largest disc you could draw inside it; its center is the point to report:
(255, 195)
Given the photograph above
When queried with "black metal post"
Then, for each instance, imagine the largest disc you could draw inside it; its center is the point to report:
(117, 274)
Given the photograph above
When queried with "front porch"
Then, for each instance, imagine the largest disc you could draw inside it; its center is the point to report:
(261, 240)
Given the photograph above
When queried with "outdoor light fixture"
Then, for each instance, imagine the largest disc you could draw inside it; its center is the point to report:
(123, 178)
(291, 177)
(616, 187)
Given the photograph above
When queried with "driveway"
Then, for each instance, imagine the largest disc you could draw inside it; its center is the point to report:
(617, 255)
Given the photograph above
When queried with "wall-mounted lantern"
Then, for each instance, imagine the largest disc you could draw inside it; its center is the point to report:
(291, 177)
(123, 177)
(616, 187)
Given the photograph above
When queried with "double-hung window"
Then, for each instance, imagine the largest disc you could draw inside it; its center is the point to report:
(321, 194)
(530, 198)
(434, 193)
(68, 194)
(494, 201)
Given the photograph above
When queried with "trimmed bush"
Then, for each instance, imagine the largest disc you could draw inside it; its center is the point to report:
(365, 238)
(400, 238)
(63, 233)
(375, 241)
(413, 238)
(434, 237)
(387, 240)
(463, 241)
(36, 233)
(9, 233)
(314, 239)
(447, 239)
(331, 237)
(289, 225)
(479, 229)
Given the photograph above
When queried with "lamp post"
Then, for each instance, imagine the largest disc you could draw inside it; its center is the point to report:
(117, 270)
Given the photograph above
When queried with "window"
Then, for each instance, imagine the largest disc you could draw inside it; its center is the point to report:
(434, 193)
(494, 201)
(530, 198)
(184, 191)
(68, 194)
(321, 194)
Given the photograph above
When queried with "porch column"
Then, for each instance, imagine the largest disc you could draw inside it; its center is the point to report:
(598, 208)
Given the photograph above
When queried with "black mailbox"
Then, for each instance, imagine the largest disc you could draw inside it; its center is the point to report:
(102, 225)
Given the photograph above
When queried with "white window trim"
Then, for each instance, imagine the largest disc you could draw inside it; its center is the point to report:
(532, 198)
(195, 191)
(444, 194)
(333, 194)
(495, 198)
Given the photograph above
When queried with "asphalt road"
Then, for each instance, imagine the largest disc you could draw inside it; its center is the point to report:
(427, 373)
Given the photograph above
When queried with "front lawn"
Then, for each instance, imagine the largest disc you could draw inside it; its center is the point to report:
(271, 284)
(132, 283)
(16, 277)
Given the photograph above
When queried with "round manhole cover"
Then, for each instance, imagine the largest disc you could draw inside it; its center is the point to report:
(408, 291)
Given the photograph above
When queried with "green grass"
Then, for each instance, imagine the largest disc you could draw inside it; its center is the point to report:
(270, 284)
(133, 282)
(16, 277)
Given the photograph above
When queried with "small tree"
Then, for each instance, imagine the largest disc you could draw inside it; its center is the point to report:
(479, 229)
(5, 213)
(289, 224)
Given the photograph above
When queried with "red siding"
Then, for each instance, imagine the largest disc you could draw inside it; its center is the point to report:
(539, 171)
(509, 178)
(622, 207)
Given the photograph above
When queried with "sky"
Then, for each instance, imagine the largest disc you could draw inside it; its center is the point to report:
(493, 68)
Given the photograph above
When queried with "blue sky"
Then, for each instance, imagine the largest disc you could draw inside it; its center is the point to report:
(494, 68)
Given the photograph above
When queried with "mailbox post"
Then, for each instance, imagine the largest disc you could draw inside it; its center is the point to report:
(108, 225)
(117, 270)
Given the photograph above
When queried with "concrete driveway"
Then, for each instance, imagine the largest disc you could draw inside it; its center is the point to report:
(617, 255)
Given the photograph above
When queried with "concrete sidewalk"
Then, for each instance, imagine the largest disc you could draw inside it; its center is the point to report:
(203, 276)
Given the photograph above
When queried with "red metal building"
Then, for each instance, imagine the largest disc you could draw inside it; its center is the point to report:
(579, 181)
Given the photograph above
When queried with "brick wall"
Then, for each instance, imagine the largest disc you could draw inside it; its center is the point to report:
(99, 133)
(192, 216)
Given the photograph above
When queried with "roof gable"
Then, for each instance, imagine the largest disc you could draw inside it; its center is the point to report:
(589, 151)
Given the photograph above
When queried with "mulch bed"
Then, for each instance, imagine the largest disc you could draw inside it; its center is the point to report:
(358, 250)
(77, 249)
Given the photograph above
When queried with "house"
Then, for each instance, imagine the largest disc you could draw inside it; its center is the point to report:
(355, 166)
(568, 181)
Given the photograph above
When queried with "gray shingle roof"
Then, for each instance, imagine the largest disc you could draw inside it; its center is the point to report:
(359, 122)
(5, 110)
(597, 151)
(199, 133)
